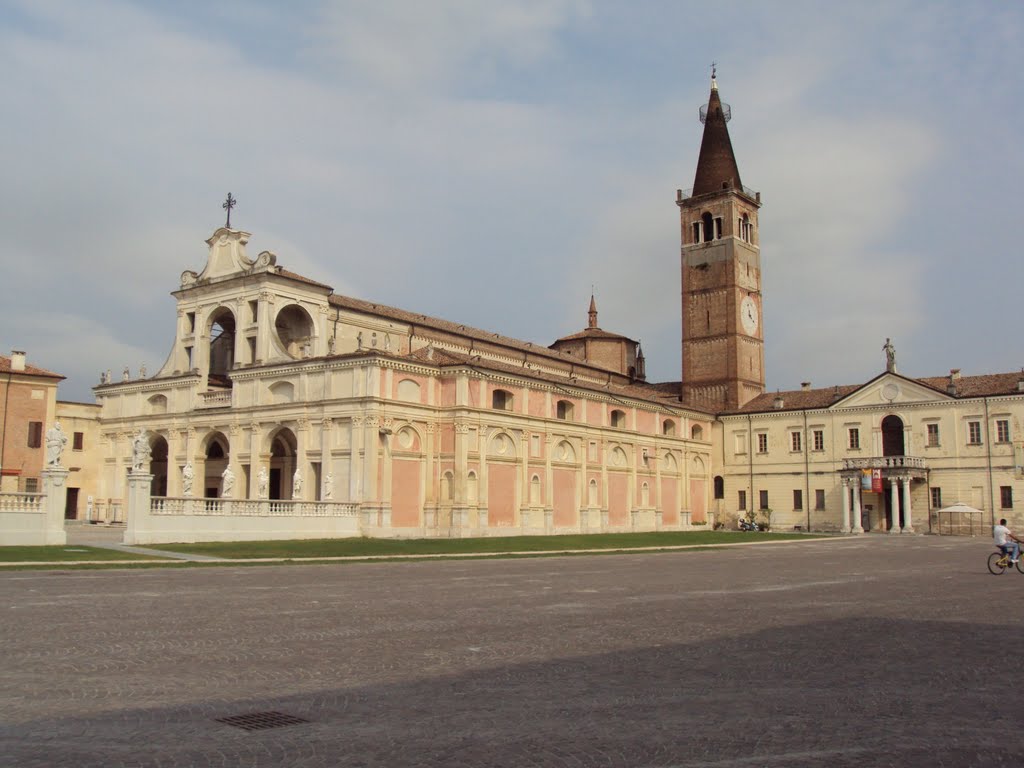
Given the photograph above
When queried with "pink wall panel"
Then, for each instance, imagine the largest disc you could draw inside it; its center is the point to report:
(669, 501)
(697, 511)
(538, 403)
(405, 493)
(448, 392)
(618, 499)
(447, 438)
(564, 497)
(501, 494)
(646, 422)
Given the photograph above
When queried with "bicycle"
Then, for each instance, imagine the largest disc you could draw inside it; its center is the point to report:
(998, 562)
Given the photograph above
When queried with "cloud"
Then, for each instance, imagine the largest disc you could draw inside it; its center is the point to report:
(408, 46)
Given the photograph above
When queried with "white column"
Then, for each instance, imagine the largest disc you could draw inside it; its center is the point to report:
(857, 527)
(56, 492)
(908, 525)
(847, 525)
(895, 506)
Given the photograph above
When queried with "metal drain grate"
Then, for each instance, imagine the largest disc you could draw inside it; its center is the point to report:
(258, 721)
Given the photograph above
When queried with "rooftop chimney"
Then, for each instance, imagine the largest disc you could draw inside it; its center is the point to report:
(17, 360)
(805, 385)
(954, 377)
(778, 402)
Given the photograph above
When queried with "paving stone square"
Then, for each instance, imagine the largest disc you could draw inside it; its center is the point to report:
(866, 651)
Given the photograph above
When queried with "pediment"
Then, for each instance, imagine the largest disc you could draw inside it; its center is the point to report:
(227, 257)
(891, 388)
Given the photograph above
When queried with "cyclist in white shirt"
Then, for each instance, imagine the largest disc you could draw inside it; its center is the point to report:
(1003, 538)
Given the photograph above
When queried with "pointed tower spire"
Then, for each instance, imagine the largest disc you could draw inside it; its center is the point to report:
(592, 313)
(716, 166)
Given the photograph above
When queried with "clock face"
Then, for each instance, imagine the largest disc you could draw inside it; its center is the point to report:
(748, 315)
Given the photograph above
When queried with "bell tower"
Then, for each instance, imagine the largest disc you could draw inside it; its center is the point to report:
(722, 333)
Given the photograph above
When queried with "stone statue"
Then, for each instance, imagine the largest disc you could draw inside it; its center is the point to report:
(331, 345)
(297, 484)
(359, 340)
(328, 486)
(103, 377)
(55, 442)
(110, 377)
(387, 342)
(126, 374)
(142, 371)
(261, 483)
(890, 356)
(188, 475)
(228, 488)
(140, 451)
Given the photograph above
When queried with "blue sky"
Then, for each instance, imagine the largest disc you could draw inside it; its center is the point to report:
(488, 163)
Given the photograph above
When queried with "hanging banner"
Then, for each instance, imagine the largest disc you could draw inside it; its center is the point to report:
(865, 479)
(876, 480)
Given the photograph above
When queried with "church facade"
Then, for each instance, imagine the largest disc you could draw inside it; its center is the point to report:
(286, 409)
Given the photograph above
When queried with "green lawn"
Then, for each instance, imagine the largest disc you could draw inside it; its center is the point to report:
(356, 547)
(66, 554)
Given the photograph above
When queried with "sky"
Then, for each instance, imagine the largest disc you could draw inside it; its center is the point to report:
(492, 163)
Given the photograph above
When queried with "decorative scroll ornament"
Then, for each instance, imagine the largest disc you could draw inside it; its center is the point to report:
(264, 261)
(188, 278)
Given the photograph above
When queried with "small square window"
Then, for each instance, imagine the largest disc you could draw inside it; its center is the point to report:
(1003, 431)
(795, 442)
(31, 485)
(77, 441)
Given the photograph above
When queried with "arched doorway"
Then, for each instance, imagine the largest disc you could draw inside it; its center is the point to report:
(158, 465)
(892, 445)
(217, 456)
(283, 450)
(892, 436)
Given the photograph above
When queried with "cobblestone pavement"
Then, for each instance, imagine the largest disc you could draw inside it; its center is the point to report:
(869, 651)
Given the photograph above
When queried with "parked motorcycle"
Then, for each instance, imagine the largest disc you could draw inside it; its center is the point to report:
(748, 525)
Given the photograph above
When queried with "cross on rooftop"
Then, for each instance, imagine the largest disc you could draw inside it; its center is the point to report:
(227, 206)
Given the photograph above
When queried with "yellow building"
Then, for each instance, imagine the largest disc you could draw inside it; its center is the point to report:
(887, 455)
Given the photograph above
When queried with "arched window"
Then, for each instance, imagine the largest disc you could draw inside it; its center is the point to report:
(697, 432)
(472, 488)
(719, 487)
(668, 427)
(563, 410)
(645, 495)
(222, 345)
(708, 226)
(501, 400)
(158, 404)
(592, 499)
(535, 491)
(295, 331)
(447, 481)
(618, 419)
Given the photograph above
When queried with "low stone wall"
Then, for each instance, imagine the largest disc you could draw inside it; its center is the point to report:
(35, 519)
(173, 519)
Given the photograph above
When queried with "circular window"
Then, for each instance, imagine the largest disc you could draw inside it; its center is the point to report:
(295, 331)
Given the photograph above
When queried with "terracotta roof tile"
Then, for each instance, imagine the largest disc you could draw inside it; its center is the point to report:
(30, 370)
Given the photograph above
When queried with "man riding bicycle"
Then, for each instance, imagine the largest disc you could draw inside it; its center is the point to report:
(1003, 536)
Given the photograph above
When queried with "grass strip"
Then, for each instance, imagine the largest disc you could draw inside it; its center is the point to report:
(359, 546)
(67, 554)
